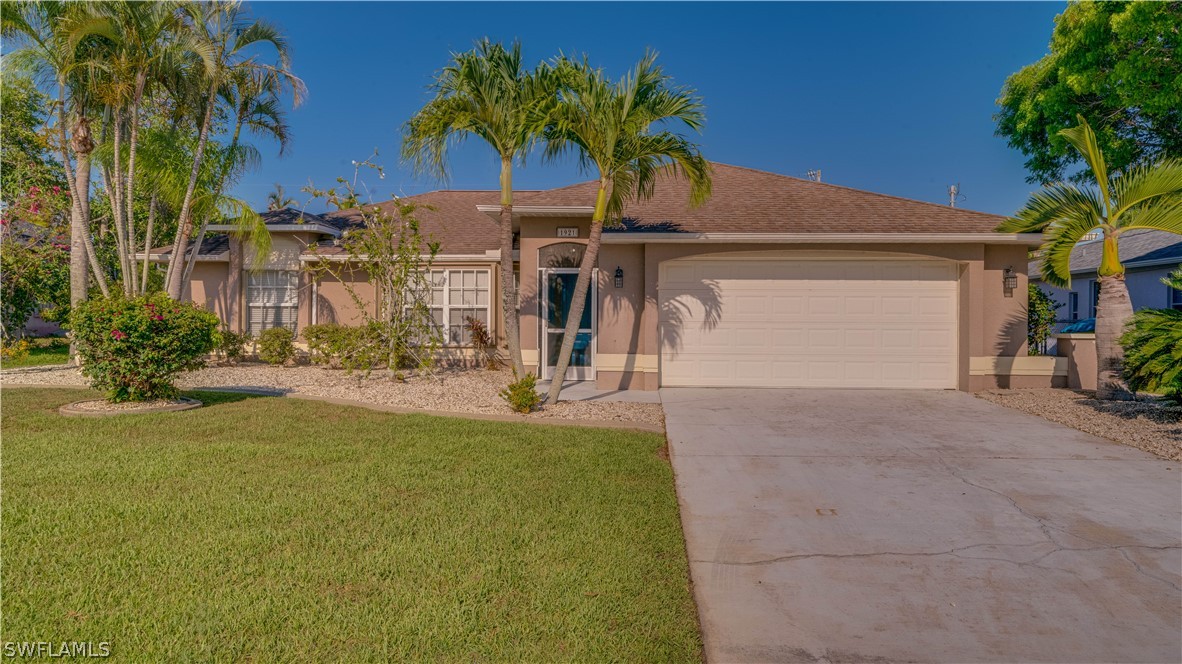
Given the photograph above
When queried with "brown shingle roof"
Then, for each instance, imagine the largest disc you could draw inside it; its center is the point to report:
(751, 201)
(452, 219)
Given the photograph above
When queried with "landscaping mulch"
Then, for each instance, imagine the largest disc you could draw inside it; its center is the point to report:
(1149, 423)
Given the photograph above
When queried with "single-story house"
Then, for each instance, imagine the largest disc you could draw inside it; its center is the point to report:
(1148, 256)
(774, 282)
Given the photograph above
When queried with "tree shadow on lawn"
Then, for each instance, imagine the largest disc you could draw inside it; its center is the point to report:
(217, 397)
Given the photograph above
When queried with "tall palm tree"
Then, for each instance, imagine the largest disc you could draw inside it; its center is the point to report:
(145, 45)
(486, 93)
(1147, 196)
(253, 96)
(227, 39)
(616, 128)
(278, 199)
(52, 47)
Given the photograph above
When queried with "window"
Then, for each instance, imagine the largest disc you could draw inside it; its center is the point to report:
(457, 295)
(1095, 285)
(1175, 300)
(1073, 306)
(272, 300)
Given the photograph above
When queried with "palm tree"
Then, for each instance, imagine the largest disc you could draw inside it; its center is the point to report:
(486, 93)
(1147, 196)
(225, 38)
(614, 127)
(278, 199)
(53, 48)
(253, 94)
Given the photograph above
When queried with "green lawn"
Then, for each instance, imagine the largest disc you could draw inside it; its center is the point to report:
(267, 529)
(43, 352)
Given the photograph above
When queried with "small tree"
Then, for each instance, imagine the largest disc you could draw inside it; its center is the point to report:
(388, 245)
(1040, 318)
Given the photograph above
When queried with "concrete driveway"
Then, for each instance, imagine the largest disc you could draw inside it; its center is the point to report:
(928, 526)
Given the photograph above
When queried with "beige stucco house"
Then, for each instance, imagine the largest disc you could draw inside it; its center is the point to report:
(774, 282)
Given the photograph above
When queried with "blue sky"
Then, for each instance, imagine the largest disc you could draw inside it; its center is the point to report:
(891, 97)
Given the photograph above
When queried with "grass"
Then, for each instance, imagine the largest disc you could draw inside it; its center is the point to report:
(269, 529)
(43, 352)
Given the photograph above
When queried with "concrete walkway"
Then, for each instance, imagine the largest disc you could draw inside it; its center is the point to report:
(900, 526)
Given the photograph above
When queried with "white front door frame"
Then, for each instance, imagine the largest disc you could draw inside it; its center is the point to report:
(546, 369)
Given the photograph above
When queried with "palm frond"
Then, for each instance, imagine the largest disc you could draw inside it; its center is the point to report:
(1083, 139)
(1059, 240)
(1147, 183)
(1056, 203)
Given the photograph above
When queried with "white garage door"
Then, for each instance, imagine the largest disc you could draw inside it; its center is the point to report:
(774, 322)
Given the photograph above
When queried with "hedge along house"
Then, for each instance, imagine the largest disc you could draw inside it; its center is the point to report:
(774, 282)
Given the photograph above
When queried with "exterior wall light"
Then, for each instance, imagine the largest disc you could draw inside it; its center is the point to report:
(1009, 280)
(619, 277)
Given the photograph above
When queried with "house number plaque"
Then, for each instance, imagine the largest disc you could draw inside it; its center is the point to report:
(568, 231)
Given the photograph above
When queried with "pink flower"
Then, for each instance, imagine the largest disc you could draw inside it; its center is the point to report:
(35, 208)
(118, 335)
(34, 190)
(57, 189)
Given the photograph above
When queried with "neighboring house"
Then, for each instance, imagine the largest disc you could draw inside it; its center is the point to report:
(1148, 256)
(774, 282)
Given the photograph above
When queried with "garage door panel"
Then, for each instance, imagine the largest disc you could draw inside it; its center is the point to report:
(798, 323)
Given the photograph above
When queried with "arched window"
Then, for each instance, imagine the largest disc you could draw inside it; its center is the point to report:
(561, 254)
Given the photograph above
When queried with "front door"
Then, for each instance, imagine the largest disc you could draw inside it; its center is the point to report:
(558, 287)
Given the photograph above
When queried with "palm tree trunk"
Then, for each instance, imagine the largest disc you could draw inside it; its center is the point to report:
(185, 223)
(1112, 313)
(196, 250)
(82, 178)
(79, 278)
(583, 284)
(116, 188)
(508, 283)
(140, 80)
(148, 244)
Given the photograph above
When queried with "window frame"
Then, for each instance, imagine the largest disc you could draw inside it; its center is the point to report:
(293, 296)
(446, 288)
(1073, 306)
(1173, 298)
(1094, 285)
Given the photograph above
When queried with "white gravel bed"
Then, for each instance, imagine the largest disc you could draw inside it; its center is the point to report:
(472, 391)
(1150, 424)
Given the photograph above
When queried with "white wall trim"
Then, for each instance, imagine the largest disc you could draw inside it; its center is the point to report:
(494, 211)
(1022, 365)
(439, 260)
(314, 227)
(1025, 239)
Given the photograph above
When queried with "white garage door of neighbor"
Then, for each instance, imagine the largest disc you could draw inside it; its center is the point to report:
(808, 323)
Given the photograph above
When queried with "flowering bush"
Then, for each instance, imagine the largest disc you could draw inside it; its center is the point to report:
(134, 349)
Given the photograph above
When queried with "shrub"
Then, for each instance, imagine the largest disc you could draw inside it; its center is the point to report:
(350, 348)
(14, 350)
(1040, 318)
(1153, 352)
(231, 346)
(522, 394)
(275, 345)
(483, 342)
(134, 348)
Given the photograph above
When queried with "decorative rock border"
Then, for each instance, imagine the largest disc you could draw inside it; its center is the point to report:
(78, 409)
